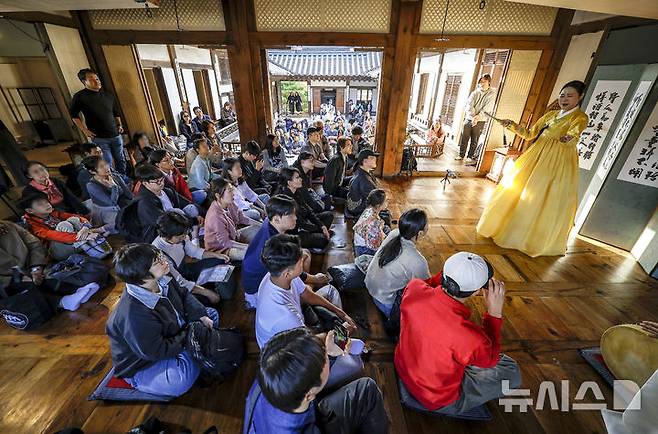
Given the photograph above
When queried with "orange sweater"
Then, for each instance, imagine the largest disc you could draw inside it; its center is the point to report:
(44, 228)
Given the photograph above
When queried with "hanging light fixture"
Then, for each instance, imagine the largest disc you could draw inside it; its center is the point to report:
(442, 38)
(482, 5)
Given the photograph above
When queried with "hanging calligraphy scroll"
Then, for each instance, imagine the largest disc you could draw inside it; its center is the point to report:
(602, 110)
(641, 167)
(623, 128)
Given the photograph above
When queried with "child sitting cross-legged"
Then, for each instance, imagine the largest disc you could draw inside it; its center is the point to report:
(371, 230)
(65, 233)
(186, 259)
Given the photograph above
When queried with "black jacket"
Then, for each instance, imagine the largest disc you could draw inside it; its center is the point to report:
(362, 183)
(70, 203)
(307, 220)
(306, 193)
(140, 336)
(150, 208)
(333, 174)
(252, 176)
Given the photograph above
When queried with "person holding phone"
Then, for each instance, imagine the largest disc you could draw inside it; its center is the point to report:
(453, 366)
(290, 394)
(281, 295)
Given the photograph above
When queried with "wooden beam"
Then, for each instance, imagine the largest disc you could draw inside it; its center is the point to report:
(613, 23)
(267, 90)
(168, 37)
(397, 91)
(41, 17)
(284, 39)
(485, 41)
(242, 76)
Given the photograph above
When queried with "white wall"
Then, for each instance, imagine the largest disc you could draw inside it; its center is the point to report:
(190, 88)
(577, 60)
(461, 62)
(187, 54)
(70, 54)
(153, 52)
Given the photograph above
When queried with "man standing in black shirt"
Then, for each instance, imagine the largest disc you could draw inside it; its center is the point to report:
(101, 123)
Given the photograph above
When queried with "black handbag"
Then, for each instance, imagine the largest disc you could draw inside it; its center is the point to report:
(77, 271)
(219, 352)
(27, 309)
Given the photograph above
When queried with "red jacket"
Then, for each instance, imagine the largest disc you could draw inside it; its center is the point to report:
(438, 341)
(44, 229)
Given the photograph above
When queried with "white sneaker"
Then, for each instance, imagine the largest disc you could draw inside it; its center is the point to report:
(468, 160)
(458, 158)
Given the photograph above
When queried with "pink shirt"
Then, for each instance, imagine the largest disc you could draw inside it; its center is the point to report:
(221, 226)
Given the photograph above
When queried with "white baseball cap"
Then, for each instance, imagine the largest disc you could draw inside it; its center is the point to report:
(469, 270)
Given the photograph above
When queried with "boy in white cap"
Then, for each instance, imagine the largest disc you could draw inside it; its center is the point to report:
(447, 363)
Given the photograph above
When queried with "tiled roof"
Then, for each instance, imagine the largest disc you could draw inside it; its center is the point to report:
(325, 64)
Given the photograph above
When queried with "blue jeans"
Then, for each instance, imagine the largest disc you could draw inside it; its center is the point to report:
(199, 196)
(113, 152)
(385, 308)
(264, 198)
(173, 376)
(363, 250)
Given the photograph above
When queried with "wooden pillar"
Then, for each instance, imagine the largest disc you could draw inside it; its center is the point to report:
(435, 90)
(178, 76)
(242, 75)
(396, 90)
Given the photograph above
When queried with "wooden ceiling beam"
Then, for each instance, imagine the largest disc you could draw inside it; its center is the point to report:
(40, 17)
(486, 41)
(284, 39)
(164, 37)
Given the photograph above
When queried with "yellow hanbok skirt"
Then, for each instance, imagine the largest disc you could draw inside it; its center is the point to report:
(534, 206)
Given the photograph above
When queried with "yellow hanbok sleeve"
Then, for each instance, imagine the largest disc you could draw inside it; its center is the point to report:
(529, 134)
(576, 126)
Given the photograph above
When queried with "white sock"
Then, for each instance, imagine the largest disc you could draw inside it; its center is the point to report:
(92, 288)
(72, 302)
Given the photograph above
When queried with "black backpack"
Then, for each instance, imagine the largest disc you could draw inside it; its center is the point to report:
(128, 224)
(409, 163)
(77, 271)
(219, 351)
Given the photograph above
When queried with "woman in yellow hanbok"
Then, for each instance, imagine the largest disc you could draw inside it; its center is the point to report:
(534, 206)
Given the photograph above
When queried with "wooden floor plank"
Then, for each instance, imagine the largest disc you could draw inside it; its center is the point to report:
(554, 306)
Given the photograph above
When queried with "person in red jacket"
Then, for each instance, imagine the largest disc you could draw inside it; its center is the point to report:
(447, 363)
(65, 233)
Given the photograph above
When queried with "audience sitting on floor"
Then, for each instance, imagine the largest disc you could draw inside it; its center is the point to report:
(107, 191)
(359, 140)
(289, 392)
(64, 233)
(186, 259)
(281, 218)
(397, 261)
(199, 118)
(186, 127)
(336, 182)
(148, 327)
(308, 195)
(172, 176)
(23, 261)
(460, 366)
(371, 229)
(274, 159)
(223, 222)
(327, 148)
(200, 173)
(154, 199)
(139, 149)
(82, 175)
(362, 183)
(314, 147)
(250, 203)
(59, 195)
(252, 168)
(216, 155)
(280, 297)
(312, 228)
